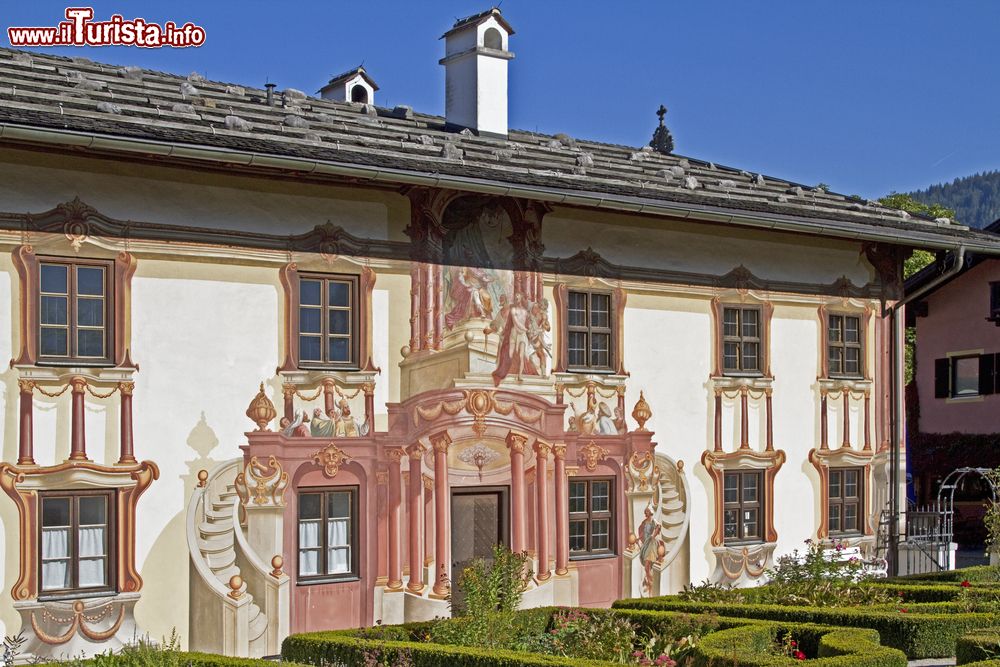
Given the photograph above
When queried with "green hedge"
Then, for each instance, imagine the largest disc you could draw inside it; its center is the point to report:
(748, 646)
(978, 645)
(917, 633)
(978, 574)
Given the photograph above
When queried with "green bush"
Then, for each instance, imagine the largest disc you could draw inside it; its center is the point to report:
(749, 646)
(165, 659)
(978, 574)
(928, 630)
(978, 645)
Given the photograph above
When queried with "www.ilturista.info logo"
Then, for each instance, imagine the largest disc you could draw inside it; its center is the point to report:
(80, 30)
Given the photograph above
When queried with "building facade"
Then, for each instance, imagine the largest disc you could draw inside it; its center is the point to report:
(281, 363)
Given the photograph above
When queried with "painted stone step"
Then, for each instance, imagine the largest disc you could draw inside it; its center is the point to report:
(216, 543)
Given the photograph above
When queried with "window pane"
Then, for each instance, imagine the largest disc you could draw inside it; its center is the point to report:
(576, 309)
(340, 349)
(731, 494)
(309, 348)
(750, 523)
(340, 322)
(836, 359)
(53, 310)
(600, 310)
(310, 293)
(600, 350)
(90, 342)
(732, 523)
(92, 541)
(966, 380)
(90, 280)
(338, 533)
(749, 488)
(93, 510)
(750, 360)
(309, 562)
(340, 293)
(55, 512)
(309, 320)
(599, 535)
(731, 356)
(852, 330)
(55, 574)
(835, 518)
(577, 348)
(731, 322)
(91, 572)
(599, 497)
(338, 560)
(338, 505)
(836, 323)
(577, 535)
(852, 365)
(54, 342)
(851, 484)
(750, 323)
(835, 491)
(310, 506)
(54, 279)
(578, 497)
(850, 517)
(89, 312)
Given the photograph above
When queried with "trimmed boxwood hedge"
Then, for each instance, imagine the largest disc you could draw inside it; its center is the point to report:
(834, 647)
(978, 574)
(978, 645)
(917, 633)
(194, 659)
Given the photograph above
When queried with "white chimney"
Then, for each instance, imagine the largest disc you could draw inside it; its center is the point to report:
(475, 64)
(352, 86)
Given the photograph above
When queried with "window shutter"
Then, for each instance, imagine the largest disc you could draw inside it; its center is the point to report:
(996, 373)
(987, 368)
(942, 378)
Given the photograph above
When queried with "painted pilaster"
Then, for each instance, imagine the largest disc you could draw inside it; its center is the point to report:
(442, 535)
(542, 490)
(26, 443)
(416, 515)
(127, 449)
(395, 548)
(562, 510)
(78, 435)
(516, 443)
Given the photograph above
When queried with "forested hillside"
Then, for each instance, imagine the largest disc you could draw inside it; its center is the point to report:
(975, 199)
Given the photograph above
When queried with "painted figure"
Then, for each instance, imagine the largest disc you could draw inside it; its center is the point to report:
(322, 426)
(514, 355)
(298, 428)
(348, 426)
(470, 295)
(648, 534)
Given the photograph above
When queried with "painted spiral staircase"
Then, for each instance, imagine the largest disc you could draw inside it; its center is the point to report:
(238, 606)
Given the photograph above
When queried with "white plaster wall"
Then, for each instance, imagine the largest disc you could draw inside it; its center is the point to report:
(37, 182)
(702, 247)
(204, 336)
(492, 94)
(9, 623)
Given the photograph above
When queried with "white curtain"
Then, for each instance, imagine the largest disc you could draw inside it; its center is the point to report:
(55, 544)
(337, 532)
(338, 558)
(92, 541)
(91, 572)
(338, 561)
(308, 537)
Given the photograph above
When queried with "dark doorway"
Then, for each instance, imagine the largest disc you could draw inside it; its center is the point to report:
(479, 521)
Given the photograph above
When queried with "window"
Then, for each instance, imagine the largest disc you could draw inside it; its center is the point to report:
(73, 307)
(492, 39)
(742, 507)
(588, 317)
(844, 347)
(359, 94)
(328, 534)
(846, 488)
(76, 547)
(327, 321)
(741, 341)
(995, 302)
(591, 517)
(967, 376)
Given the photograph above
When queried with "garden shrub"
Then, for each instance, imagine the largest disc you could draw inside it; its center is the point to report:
(978, 645)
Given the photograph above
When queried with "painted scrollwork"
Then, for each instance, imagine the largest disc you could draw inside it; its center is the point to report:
(78, 622)
(262, 485)
(331, 458)
(479, 403)
(591, 454)
(743, 563)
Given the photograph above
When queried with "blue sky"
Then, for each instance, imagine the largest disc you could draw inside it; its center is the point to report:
(867, 96)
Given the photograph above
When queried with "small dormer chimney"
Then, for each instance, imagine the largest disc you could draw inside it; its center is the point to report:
(475, 65)
(352, 86)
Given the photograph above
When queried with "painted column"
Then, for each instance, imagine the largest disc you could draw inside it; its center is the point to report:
(428, 520)
(78, 435)
(516, 443)
(823, 428)
(744, 419)
(438, 309)
(562, 510)
(414, 307)
(288, 391)
(416, 514)
(329, 396)
(770, 421)
(442, 535)
(395, 548)
(868, 421)
(426, 326)
(369, 390)
(847, 418)
(718, 420)
(127, 453)
(26, 442)
(542, 490)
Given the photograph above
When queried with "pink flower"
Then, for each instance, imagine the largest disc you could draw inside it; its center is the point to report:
(636, 654)
(799, 655)
(965, 583)
(902, 611)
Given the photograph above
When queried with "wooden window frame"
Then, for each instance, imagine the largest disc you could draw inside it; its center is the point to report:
(843, 345)
(994, 302)
(589, 516)
(740, 505)
(611, 331)
(953, 371)
(72, 357)
(111, 537)
(355, 312)
(323, 577)
(842, 500)
(740, 339)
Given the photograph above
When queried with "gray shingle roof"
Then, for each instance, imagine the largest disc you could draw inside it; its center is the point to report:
(47, 91)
